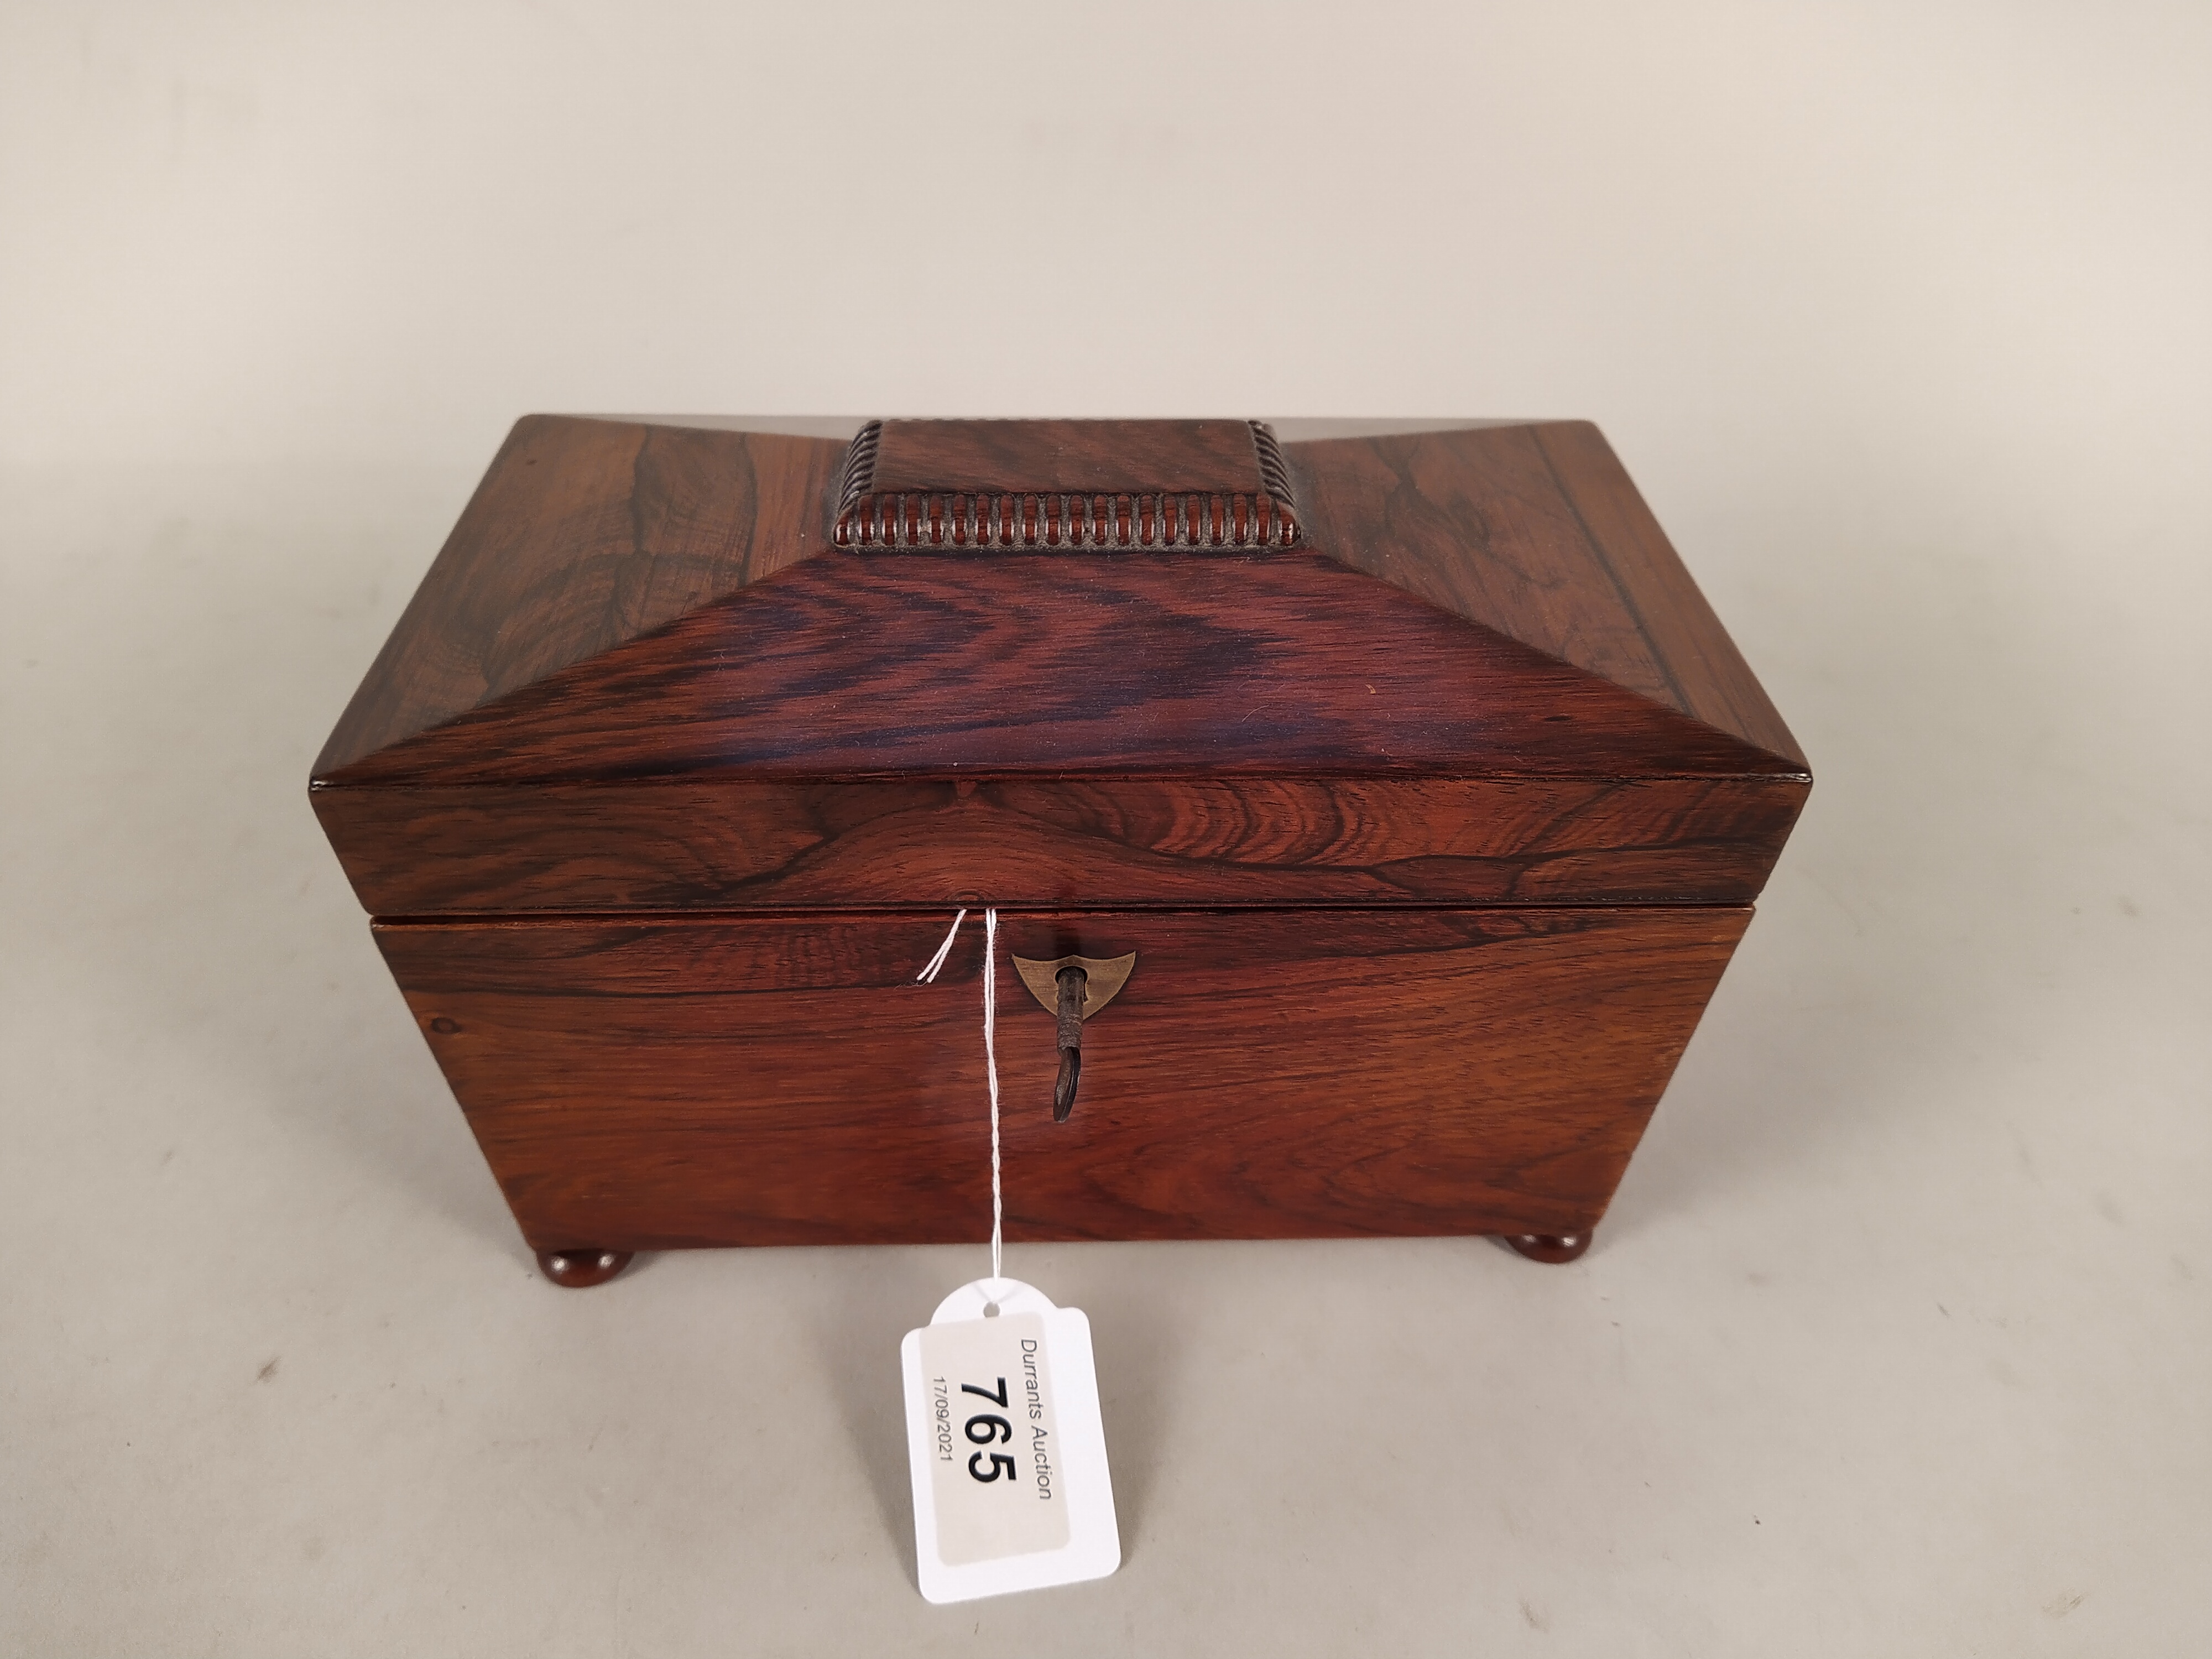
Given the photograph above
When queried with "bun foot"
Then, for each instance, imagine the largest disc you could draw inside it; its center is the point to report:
(1554, 1248)
(579, 1270)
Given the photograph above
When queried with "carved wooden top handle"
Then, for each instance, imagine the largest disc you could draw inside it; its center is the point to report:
(1184, 486)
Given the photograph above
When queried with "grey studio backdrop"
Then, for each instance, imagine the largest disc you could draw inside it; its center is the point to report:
(1897, 1339)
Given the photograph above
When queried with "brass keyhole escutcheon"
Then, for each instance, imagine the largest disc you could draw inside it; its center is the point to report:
(1071, 990)
(1101, 979)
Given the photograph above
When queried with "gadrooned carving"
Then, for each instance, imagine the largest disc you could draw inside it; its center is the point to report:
(1262, 517)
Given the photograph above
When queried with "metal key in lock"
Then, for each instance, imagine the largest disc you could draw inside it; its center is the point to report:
(1072, 989)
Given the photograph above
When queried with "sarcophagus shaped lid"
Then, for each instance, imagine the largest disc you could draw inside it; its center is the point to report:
(1079, 618)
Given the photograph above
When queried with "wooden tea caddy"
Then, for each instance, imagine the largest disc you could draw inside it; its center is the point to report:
(1422, 785)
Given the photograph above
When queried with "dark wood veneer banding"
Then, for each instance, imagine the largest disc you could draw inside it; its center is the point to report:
(474, 848)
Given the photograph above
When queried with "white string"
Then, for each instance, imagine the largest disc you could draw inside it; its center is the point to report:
(991, 1068)
(928, 975)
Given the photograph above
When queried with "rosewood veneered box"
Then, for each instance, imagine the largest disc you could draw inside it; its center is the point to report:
(1422, 785)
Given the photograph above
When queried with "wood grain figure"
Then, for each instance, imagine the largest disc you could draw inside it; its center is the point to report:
(1414, 762)
(650, 1083)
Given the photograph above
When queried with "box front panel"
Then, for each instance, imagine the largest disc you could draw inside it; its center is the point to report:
(643, 1083)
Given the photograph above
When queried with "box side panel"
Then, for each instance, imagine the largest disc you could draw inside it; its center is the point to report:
(665, 1082)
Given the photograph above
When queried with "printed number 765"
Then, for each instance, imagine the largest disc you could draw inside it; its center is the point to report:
(986, 1428)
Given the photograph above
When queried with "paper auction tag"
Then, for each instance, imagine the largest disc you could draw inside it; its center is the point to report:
(1011, 1490)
